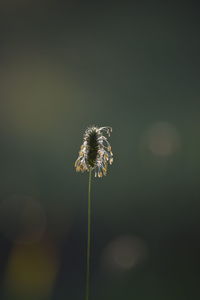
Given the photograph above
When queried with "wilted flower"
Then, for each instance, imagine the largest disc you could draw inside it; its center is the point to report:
(95, 152)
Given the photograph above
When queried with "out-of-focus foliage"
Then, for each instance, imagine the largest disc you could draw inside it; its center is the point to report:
(69, 64)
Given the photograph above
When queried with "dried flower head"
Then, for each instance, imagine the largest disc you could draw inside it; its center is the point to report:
(95, 152)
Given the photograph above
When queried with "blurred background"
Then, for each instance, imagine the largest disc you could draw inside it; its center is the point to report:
(69, 64)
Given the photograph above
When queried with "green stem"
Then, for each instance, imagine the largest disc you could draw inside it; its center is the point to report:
(88, 237)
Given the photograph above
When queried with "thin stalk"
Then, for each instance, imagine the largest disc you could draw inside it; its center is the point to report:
(88, 238)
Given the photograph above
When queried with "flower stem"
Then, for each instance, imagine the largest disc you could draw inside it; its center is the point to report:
(88, 237)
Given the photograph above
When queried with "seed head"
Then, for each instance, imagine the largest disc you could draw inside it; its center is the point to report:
(95, 152)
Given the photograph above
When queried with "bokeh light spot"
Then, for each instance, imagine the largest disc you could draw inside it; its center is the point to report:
(162, 139)
(32, 270)
(124, 253)
(22, 219)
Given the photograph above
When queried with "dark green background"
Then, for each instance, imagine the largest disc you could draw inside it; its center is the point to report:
(69, 64)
